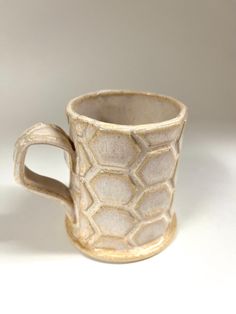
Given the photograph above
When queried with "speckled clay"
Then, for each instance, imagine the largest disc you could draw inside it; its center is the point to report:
(123, 153)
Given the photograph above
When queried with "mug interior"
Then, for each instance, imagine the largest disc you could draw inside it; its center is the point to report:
(127, 108)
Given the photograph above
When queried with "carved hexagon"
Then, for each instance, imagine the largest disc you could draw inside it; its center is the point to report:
(155, 201)
(113, 188)
(114, 149)
(150, 232)
(162, 136)
(112, 243)
(113, 221)
(157, 167)
(85, 228)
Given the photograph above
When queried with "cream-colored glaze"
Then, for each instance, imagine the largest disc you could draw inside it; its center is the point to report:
(123, 153)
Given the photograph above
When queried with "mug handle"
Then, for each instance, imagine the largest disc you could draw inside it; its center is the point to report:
(50, 134)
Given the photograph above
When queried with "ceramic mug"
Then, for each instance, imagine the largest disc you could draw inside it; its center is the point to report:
(123, 150)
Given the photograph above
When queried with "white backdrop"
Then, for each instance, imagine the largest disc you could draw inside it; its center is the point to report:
(52, 51)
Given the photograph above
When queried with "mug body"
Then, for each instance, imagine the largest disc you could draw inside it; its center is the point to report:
(127, 147)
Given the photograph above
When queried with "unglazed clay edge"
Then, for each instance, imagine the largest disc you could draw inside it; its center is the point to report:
(125, 256)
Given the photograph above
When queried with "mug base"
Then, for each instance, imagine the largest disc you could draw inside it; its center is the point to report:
(125, 256)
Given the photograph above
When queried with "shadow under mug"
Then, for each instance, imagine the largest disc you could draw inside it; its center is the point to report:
(123, 150)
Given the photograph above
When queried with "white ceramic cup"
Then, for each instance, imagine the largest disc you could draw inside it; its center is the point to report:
(123, 151)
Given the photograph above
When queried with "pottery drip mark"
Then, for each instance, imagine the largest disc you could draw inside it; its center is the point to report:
(127, 182)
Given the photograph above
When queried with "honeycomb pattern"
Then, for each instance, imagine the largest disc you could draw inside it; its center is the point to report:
(112, 188)
(150, 231)
(158, 166)
(114, 149)
(113, 222)
(123, 184)
(155, 201)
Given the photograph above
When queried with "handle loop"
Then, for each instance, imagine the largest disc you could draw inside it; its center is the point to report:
(49, 134)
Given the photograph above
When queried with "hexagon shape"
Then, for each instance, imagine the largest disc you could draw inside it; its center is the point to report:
(150, 232)
(113, 188)
(84, 197)
(85, 228)
(113, 221)
(157, 167)
(114, 149)
(155, 201)
(111, 243)
(83, 163)
(162, 136)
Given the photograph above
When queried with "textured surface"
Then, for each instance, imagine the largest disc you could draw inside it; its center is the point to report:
(124, 184)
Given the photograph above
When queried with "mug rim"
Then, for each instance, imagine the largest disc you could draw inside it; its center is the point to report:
(70, 110)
